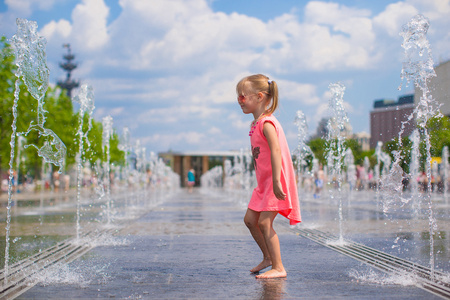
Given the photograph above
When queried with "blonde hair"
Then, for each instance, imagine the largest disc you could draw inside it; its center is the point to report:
(261, 84)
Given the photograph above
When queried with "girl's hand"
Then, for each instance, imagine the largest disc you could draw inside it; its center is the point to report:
(278, 191)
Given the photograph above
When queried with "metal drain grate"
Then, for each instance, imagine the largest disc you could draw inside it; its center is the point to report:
(436, 283)
(19, 278)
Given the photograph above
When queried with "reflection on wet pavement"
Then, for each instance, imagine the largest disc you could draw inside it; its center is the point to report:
(195, 246)
(402, 231)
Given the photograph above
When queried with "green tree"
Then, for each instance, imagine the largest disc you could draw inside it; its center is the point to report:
(62, 120)
(60, 117)
(370, 154)
(117, 156)
(93, 145)
(7, 78)
(439, 129)
(356, 150)
(405, 150)
(318, 147)
(94, 151)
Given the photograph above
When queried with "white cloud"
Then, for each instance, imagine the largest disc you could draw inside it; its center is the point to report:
(236, 121)
(333, 36)
(394, 16)
(437, 11)
(303, 93)
(331, 13)
(322, 111)
(167, 141)
(116, 111)
(433, 9)
(201, 52)
(168, 68)
(87, 31)
(7, 24)
(25, 7)
(161, 34)
(200, 39)
(89, 24)
(214, 130)
(60, 30)
(20, 9)
(170, 115)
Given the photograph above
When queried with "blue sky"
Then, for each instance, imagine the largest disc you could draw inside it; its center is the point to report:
(167, 69)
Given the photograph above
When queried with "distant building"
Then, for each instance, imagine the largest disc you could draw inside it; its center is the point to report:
(201, 162)
(439, 87)
(323, 130)
(363, 139)
(386, 119)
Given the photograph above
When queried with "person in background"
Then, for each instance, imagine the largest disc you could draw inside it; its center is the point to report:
(191, 180)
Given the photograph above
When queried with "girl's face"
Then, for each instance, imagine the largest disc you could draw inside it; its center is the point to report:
(248, 100)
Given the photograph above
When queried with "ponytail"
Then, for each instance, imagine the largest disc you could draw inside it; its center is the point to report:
(262, 84)
(273, 93)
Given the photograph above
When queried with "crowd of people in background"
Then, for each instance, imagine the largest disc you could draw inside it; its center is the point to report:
(55, 181)
(365, 180)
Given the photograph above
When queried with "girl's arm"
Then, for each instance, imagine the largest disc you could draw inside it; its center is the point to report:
(275, 155)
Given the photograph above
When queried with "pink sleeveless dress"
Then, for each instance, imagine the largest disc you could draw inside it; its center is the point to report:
(263, 198)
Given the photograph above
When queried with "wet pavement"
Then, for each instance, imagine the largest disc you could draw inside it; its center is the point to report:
(195, 246)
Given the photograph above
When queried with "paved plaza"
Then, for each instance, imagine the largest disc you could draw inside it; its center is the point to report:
(196, 246)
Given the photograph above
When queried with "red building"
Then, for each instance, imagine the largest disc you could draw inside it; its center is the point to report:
(387, 117)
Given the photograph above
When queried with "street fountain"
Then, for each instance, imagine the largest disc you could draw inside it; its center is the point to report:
(212, 180)
(336, 149)
(37, 254)
(403, 209)
(417, 68)
(351, 169)
(445, 172)
(86, 99)
(303, 151)
(383, 161)
(32, 68)
(125, 146)
(365, 176)
(237, 172)
(141, 163)
(20, 144)
(107, 133)
(392, 234)
(414, 170)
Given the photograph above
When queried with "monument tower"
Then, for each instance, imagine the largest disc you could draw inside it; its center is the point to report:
(69, 84)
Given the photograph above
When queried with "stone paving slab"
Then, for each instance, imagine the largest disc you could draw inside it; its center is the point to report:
(196, 247)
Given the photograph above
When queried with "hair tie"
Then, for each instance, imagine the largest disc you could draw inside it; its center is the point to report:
(269, 81)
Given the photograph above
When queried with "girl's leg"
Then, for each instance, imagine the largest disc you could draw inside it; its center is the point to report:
(251, 220)
(273, 245)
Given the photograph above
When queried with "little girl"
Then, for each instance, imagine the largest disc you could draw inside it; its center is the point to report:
(277, 190)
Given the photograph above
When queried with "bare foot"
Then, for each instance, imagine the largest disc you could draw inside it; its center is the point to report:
(264, 264)
(272, 274)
